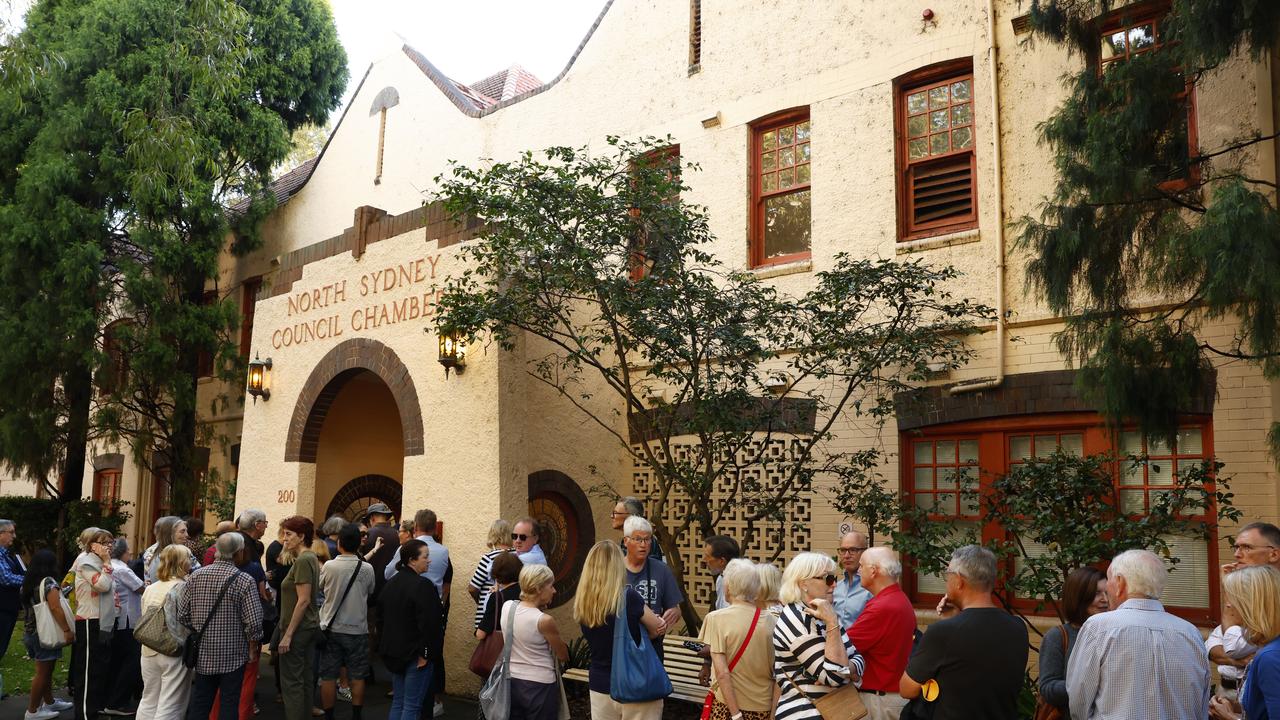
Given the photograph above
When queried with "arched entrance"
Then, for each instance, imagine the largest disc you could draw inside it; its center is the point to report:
(356, 418)
(568, 532)
(353, 500)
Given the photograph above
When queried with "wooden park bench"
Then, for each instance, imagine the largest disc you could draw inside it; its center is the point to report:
(682, 665)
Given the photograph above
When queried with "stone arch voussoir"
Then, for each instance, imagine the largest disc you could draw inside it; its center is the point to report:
(329, 376)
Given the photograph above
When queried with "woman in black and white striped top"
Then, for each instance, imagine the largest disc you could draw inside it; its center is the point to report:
(481, 584)
(812, 655)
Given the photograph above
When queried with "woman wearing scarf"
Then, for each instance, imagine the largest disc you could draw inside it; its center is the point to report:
(95, 616)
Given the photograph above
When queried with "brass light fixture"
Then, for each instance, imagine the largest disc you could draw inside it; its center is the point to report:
(453, 352)
(258, 370)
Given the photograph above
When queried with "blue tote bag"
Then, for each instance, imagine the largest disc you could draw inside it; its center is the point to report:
(637, 674)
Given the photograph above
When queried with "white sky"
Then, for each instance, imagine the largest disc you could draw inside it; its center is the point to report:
(467, 40)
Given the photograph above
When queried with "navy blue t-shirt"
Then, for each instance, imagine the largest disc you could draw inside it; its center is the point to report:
(600, 640)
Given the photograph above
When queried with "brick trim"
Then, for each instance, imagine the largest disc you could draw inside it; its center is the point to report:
(108, 461)
(371, 225)
(330, 375)
(1038, 393)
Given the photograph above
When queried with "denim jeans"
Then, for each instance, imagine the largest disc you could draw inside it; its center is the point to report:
(409, 689)
(207, 686)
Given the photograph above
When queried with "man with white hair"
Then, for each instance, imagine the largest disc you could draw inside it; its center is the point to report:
(651, 579)
(971, 663)
(883, 633)
(1137, 662)
(625, 508)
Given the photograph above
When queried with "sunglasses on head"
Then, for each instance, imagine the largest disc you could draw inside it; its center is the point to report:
(519, 536)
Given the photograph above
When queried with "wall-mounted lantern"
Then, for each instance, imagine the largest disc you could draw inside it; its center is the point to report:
(258, 370)
(453, 352)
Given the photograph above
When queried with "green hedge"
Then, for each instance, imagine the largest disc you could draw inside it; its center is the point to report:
(37, 521)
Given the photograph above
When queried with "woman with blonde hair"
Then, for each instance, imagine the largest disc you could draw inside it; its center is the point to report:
(536, 647)
(498, 542)
(95, 616)
(601, 590)
(166, 682)
(812, 654)
(741, 637)
(1253, 592)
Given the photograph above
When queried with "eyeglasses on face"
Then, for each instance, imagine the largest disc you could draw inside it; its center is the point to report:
(1246, 547)
(851, 550)
(623, 513)
(829, 579)
(519, 536)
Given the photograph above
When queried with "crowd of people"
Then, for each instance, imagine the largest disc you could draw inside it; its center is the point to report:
(785, 643)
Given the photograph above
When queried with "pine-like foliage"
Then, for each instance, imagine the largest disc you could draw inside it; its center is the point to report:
(1149, 235)
(118, 164)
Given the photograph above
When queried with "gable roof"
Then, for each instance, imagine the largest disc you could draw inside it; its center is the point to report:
(516, 84)
(506, 84)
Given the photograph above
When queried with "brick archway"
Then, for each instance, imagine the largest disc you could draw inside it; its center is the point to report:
(329, 376)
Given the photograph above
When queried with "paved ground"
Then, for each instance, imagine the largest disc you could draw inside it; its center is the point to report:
(376, 703)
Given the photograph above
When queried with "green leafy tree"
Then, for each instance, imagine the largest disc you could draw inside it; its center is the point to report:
(1059, 513)
(117, 171)
(595, 264)
(1066, 511)
(1139, 212)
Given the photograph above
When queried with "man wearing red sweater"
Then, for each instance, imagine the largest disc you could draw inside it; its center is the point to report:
(882, 633)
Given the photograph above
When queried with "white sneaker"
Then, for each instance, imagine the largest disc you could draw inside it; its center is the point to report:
(439, 710)
(41, 714)
(59, 705)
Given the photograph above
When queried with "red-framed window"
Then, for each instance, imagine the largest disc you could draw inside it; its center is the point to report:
(640, 261)
(1141, 29)
(161, 498)
(781, 229)
(935, 149)
(111, 376)
(248, 304)
(106, 486)
(941, 461)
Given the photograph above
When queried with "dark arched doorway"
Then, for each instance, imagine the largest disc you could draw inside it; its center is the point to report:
(354, 499)
(568, 531)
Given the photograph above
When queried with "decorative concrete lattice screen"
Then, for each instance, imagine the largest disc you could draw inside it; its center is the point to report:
(775, 455)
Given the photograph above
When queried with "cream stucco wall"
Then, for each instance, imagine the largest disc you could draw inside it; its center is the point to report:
(487, 430)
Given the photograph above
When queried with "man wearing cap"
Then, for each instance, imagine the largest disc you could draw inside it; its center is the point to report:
(378, 517)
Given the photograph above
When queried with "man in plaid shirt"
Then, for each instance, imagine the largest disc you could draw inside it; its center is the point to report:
(232, 633)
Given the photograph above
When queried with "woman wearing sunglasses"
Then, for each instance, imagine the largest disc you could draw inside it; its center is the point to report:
(812, 655)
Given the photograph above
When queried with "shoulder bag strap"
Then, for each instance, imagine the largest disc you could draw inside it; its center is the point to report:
(741, 648)
(354, 574)
(1064, 643)
(509, 638)
(218, 601)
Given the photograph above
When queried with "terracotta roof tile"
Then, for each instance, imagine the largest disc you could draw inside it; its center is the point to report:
(507, 84)
(284, 186)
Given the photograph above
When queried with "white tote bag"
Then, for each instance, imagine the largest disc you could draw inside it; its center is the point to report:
(47, 628)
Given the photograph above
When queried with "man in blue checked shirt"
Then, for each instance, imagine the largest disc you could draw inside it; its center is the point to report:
(12, 572)
(1137, 662)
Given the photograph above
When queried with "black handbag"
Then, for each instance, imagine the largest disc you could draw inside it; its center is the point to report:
(191, 650)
